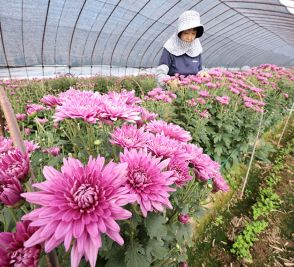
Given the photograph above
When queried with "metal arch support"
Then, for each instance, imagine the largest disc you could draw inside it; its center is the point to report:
(72, 35)
(236, 46)
(228, 36)
(111, 58)
(94, 47)
(237, 10)
(58, 25)
(132, 48)
(88, 35)
(43, 37)
(138, 39)
(270, 13)
(22, 40)
(221, 45)
(4, 51)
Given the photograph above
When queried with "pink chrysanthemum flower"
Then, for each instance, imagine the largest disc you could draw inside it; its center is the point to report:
(127, 97)
(147, 179)
(5, 144)
(129, 136)
(50, 100)
(10, 190)
(30, 146)
(41, 120)
(80, 105)
(53, 151)
(34, 108)
(113, 109)
(164, 146)
(204, 93)
(224, 100)
(145, 115)
(79, 204)
(180, 170)
(14, 165)
(169, 129)
(21, 116)
(204, 167)
(12, 250)
(219, 184)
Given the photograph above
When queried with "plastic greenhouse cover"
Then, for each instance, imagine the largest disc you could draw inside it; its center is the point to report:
(122, 37)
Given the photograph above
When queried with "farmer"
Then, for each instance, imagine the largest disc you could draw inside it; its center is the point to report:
(182, 51)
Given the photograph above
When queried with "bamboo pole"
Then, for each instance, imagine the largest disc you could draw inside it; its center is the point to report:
(254, 147)
(286, 124)
(11, 120)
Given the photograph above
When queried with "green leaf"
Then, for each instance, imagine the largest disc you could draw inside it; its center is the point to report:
(54, 161)
(218, 150)
(157, 249)
(155, 225)
(183, 233)
(135, 256)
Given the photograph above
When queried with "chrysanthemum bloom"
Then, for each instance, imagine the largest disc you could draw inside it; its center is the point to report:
(204, 93)
(13, 164)
(164, 146)
(79, 204)
(30, 146)
(12, 250)
(5, 144)
(169, 129)
(50, 100)
(147, 179)
(10, 190)
(80, 105)
(113, 109)
(127, 97)
(53, 151)
(204, 114)
(181, 171)
(41, 120)
(27, 131)
(219, 184)
(224, 100)
(21, 116)
(129, 136)
(204, 167)
(145, 115)
(34, 108)
(201, 100)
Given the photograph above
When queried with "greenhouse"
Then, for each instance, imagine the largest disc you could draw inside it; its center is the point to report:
(146, 133)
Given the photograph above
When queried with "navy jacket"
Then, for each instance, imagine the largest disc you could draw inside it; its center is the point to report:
(184, 64)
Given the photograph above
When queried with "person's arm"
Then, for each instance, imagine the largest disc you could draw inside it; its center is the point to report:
(163, 68)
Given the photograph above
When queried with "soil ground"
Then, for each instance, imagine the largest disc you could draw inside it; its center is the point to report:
(275, 246)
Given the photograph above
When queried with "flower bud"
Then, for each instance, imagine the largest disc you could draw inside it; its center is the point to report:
(183, 218)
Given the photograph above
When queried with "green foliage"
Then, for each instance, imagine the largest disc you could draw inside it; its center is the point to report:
(268, 201)
(244, 241)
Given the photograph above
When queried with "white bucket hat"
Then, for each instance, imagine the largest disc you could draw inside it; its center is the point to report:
(188, 20)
